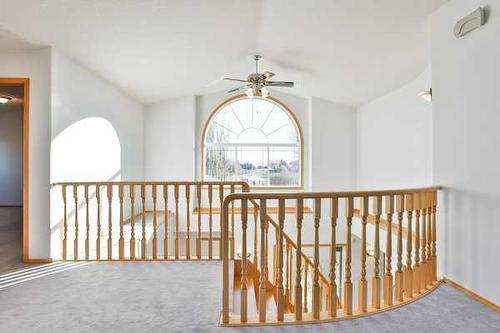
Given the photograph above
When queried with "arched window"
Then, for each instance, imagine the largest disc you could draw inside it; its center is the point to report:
(253, 140)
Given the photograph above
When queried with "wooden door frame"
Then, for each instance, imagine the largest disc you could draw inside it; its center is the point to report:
(25, 83)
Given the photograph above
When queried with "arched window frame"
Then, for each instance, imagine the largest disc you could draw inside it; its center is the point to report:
(294, 120)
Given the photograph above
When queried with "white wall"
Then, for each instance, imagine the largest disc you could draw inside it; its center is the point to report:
(395, 138)
(79, 94)
(35, 64)
(11, 156)
(169, 140)
(97, 135)
(466, 160)
(333, 146)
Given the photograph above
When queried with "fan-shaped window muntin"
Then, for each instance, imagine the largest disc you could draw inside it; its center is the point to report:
(254, 140)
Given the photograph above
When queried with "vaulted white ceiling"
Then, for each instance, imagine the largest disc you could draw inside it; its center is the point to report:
(349, 51)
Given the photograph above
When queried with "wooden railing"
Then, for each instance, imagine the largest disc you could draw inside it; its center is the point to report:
(143, 220)
(285, 277)
(414, 257)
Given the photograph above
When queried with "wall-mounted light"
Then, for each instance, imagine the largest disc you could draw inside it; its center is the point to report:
(426, 95)
(469, 23)
(4, 99)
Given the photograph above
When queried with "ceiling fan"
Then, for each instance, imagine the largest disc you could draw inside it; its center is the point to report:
(256, 83)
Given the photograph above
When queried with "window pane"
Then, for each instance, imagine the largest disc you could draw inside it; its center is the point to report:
(261, 111)
(220, 134)
(277, 119)
(284, 166)
(220, 163)
(253, 165)
(243, 109)
(284, 134)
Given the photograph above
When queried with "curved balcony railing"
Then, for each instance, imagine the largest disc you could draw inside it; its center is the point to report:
(298, 291)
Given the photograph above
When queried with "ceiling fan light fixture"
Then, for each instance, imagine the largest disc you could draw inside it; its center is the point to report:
(256, 82)
(5, 99)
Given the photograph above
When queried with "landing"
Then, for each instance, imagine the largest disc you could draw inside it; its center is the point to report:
(185, 297)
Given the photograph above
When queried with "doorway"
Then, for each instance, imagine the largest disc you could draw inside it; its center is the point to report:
(14, 120)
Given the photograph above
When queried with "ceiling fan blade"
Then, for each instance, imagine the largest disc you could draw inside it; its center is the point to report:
(279, 83)
(268, 75)
(239, 88)
(231, 79)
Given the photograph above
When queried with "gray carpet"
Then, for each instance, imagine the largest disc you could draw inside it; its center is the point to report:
(185, 297)
(11, 220)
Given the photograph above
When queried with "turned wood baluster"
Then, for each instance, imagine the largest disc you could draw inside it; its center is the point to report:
(121, 241)
(87, 224)
(132, 221)
(266, 246)
(255, 234)
(225, 269)
(434, 237)
(176, 199)
(416, 266)
(408, 287)
(233, 245)
(389, 210)
(377, 211)
(281, 295)
(65, 225)
(110, 221)
(423, 261)
(332, 294)
(75, 243)
(400, 203)
(363, 285)
(198, 239)
(98, 240)
(298, 267)
(429, 240)
(316, 299)
(221, 200)
(306, 276)
(143, 219)
(244, 271)
(155, 222)
(188, 222)
(263, 278)
(165, 222)
(275, 258)
(288, 272)
(348, 283)
(210, 240)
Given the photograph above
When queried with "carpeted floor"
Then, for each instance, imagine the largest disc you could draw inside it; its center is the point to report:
(185, 297)
(11, 221)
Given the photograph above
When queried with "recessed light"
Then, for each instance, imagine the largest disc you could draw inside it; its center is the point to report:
(4, 99)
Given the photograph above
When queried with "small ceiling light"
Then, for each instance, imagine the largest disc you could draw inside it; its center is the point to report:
(264, 92)
(426, 95)
(249, 92)
(4, 99)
